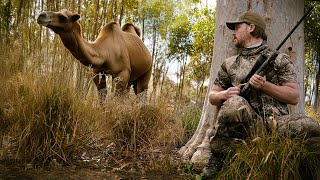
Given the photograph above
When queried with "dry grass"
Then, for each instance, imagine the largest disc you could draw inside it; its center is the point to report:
(145, 132)
(273, 157)
(312, 113)
(48, 120)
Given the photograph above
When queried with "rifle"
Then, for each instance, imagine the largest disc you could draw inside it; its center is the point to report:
(265, 59)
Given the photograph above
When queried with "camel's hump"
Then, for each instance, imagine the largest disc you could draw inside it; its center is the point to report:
(130, 27)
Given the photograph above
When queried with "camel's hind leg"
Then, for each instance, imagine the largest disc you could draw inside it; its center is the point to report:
(142, 84)
(100, 81)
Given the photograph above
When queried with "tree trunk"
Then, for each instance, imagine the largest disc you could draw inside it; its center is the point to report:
(316, 89)
(281, 17)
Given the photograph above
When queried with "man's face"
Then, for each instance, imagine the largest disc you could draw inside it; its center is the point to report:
(241, 35)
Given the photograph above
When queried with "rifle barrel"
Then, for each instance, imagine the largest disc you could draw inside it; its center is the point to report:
(294, 28)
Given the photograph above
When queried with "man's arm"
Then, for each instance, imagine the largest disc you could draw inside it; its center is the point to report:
(286, 93)
(218, 95)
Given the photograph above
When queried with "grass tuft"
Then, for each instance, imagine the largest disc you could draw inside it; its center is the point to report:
(190, 117)
(273, 157)
(49, 120)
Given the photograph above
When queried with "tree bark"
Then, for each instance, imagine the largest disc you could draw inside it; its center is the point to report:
(281, 17)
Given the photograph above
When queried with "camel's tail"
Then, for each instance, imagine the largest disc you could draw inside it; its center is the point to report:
(129, 27)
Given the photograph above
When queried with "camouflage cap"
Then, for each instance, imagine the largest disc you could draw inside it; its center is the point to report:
(248, 17)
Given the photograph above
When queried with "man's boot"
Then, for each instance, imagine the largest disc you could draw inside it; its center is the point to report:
(214, 165)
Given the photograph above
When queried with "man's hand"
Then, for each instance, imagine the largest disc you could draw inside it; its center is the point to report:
(231, 92)
(217, 95)
(287, 92)
(257, 81)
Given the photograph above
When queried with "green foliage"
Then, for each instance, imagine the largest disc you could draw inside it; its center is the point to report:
(312, 51)
(312, 33)
(157, 15)
(202, 49)
(180, 36)
(203, 31)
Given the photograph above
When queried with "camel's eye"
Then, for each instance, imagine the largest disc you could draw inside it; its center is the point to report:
(62, 19)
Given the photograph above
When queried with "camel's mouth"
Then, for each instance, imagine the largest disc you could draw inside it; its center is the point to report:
(43, 23)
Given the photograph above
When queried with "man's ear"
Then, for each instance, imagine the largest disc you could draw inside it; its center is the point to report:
(75, 17)
(252, 27)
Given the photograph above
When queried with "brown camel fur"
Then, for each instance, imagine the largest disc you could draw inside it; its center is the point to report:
(120, 53)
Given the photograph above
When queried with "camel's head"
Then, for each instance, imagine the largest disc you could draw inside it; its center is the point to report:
(62, 21)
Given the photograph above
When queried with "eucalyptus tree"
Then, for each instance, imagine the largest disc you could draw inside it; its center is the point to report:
(155, 17)
(180, 44)
(312, 38)
(202, 49)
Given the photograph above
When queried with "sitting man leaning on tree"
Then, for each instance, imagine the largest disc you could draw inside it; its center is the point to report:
(267, 103)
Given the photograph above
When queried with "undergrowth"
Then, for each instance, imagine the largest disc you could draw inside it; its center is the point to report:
(273, 157)
(50, 121)
(190, 117)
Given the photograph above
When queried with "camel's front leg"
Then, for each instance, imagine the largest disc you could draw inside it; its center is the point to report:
(121, 82)
(100, 81)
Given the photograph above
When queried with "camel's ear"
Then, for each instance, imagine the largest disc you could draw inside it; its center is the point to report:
(75, 17)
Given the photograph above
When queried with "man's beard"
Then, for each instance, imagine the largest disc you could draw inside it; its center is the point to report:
(238, 44)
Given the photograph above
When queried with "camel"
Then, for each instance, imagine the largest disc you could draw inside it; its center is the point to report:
(116, 52)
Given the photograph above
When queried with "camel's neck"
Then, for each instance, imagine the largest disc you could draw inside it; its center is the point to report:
(80, 49)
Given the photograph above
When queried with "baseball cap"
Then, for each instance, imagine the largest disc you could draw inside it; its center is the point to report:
(248, 17)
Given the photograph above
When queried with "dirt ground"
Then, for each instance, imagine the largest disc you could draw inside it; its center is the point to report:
(14, 171)
(94, 165)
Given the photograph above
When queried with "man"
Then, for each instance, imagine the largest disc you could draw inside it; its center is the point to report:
(269, 96)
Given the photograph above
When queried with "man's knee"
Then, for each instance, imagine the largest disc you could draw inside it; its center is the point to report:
(297, 124)
(234, 109)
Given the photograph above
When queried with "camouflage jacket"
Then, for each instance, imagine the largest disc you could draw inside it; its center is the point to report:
(235, 68)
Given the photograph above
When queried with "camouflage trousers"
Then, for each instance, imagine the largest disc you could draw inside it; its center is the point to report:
(236, 120)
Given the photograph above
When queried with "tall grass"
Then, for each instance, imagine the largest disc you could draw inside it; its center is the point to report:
(53, 121)
(143, 132)
(190, 117)
(50, 119)
(273, 157)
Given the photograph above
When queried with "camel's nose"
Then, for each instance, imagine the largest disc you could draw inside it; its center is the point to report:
(43, 19)
(42, 15)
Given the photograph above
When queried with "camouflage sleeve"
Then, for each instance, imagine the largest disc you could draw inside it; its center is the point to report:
(223, 79)
(285, 69)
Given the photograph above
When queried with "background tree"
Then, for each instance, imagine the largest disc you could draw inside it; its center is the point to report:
(202, 51)
(155, 17)
(180, 47)
(312, 68)
(281, 17)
